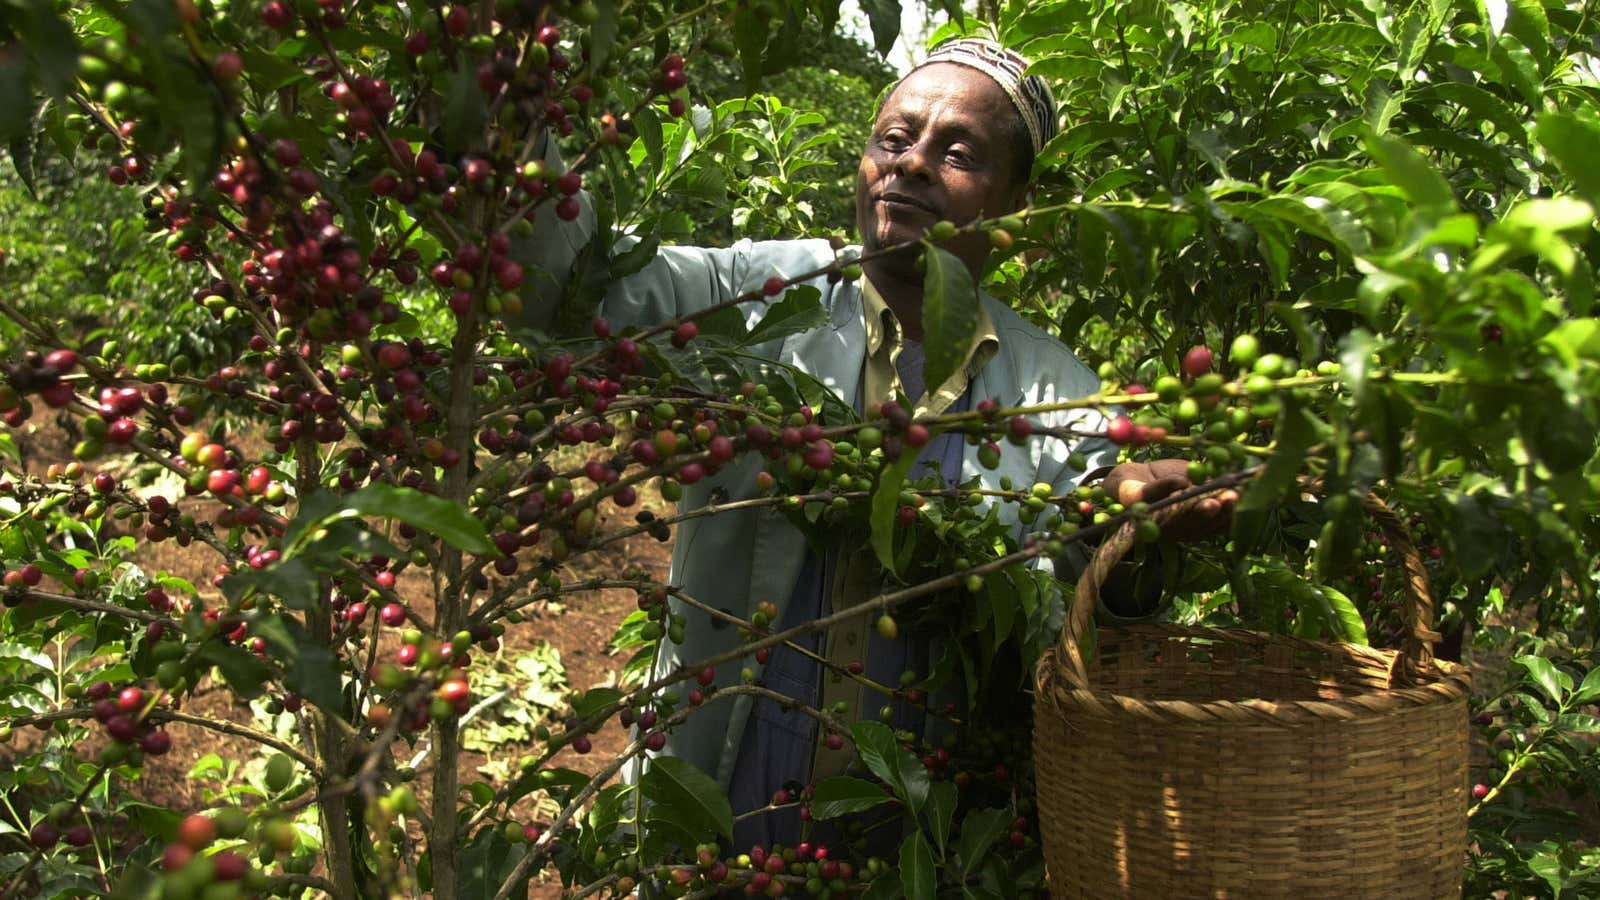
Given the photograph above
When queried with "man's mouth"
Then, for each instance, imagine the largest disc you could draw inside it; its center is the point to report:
(895, 199)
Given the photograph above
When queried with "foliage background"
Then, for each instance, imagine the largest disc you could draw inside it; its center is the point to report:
(1228, 168)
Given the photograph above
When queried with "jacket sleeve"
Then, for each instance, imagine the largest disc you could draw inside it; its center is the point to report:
(677, 282)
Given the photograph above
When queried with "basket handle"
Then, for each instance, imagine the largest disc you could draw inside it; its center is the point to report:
(1416, 652)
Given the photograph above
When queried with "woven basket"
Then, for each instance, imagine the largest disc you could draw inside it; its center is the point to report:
(1197, 762)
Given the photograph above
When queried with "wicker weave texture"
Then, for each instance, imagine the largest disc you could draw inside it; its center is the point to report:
(1142, 805)
(1188, 762)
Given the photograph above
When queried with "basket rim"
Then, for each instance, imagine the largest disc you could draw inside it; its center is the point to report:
(1448, 682)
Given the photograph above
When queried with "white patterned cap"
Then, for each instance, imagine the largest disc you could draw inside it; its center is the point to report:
(1029, 94)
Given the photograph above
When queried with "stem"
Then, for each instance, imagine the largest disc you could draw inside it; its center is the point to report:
(167, 715)
(541, 847)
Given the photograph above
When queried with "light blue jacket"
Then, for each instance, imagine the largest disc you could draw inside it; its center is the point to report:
(736, 559)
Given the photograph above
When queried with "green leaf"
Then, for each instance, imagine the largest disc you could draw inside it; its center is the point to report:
(941, 811)
(1550, 214)
(1296, 431)
(49, 40)
(979, 830)
(1574, 144)
(1589, 690)
(1548, 866)
(590, 703)
(1551, 680)
(648, 125)
(245, 674)
(21, 150)
(1519, 68)
(1525, 19)
(186, 97)
(885, 887)
(1578, 723)
(210, 764)
(750, 37)
(465, 109)
(635, 257)
(885, 504)
(885, 18)
(688, 795)
(435, 515)
(1346, 620)
(877, 747)
(1002, 596)
(1574, 340)
(949, 314)
(16, 94)
(917, 876)
(1487, 107)
(1412, 173)
(291, 580)
(842, 795)
(315, 675)
(602, 34)
(608, 807)
(310, 668)
(487, 862)
(800, 309)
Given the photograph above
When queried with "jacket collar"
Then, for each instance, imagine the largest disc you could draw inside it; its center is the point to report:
(999, 377)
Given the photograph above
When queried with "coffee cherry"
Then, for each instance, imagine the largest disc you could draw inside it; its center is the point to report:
(773, 286)
(685, 333)
(1120, 431)
(1197, 361)
(197, 831)
(1480, 791)
(229, 866)
(44, 835)
(888, 628)
(156, 743)
(1245, 351)
(63, 360)
(989, 455)
(276, 14)
(131, 700)
(819, 456)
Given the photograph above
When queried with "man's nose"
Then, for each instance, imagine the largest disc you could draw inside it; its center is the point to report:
(915, 162)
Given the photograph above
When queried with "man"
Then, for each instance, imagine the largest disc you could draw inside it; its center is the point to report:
(955, 140)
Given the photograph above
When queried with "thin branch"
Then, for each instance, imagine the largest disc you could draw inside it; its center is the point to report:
(169, 715)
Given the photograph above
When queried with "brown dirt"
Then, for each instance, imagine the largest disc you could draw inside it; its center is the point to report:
(580, 629)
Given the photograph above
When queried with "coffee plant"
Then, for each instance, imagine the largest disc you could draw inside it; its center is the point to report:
(1316, 250)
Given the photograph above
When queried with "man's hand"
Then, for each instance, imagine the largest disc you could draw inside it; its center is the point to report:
(1132, 482)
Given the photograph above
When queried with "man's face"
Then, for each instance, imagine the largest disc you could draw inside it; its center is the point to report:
(940, 149)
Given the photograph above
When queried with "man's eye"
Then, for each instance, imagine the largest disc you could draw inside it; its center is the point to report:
(894, 140)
